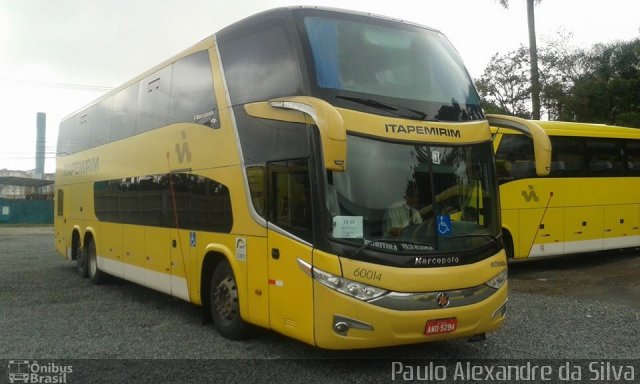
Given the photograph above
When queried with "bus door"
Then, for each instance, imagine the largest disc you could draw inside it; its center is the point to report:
(289, 239)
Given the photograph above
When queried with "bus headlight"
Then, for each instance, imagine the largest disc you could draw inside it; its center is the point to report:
(348, 287)
(498, 280)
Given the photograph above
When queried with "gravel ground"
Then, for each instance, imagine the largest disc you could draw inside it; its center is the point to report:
(120, 331)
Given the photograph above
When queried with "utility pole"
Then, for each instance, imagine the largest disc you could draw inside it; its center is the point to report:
(533, 55)
(41, 126)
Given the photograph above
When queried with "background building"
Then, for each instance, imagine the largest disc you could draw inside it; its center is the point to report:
(24, 185)
(25, 199)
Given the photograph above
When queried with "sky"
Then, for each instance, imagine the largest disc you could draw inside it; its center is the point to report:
(58, 56)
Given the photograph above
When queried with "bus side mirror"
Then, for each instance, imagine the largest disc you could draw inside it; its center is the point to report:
(330, 124)
(329, 121)
(541, 142)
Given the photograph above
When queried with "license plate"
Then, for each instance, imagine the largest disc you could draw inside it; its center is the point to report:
(440, 326)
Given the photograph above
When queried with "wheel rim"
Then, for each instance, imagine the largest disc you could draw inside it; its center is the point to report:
(93, 267)
(80, 259)
(226, 299)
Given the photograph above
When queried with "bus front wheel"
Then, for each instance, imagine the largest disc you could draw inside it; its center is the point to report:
(225, 304)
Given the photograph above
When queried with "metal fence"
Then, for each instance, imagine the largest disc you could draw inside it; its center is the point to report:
(19, 211)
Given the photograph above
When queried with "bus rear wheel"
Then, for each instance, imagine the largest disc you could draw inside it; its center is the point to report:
(81, 260)
(95, 275)
(225, 304)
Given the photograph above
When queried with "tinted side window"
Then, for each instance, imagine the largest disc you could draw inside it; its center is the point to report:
(571, 157)
(65, 144)
(632, 151)
(192, 93)
(567, 157)
(86, 129)
(210, 205)
(255, 176)
(182, 92)
(153, 100)
(605, 157)
(82, 129)
(125, 109)
(261, 64)
(101, 122)
(200, 203)
(60, 202)
(289, 197)
(588, 157)
(514, 158)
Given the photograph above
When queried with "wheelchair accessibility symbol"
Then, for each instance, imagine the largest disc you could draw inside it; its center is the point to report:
(444, 224)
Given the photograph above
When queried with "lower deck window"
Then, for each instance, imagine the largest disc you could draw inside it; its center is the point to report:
(197, 202)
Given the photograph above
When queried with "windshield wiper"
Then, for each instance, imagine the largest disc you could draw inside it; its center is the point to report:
(390, 241)
(369, 102)
(492, 237)
(393, 109)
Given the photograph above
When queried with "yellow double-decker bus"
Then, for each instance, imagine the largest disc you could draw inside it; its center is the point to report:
(325, 174)
(590, 200)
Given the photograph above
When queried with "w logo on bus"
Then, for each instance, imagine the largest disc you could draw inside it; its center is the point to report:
(531, 195)
(183, 151)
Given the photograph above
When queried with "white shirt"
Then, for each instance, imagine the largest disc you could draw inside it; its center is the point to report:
(400, 215)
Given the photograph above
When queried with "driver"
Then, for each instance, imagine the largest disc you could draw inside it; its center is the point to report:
(403, 213)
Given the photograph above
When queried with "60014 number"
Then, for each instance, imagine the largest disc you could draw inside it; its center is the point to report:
(368, 274)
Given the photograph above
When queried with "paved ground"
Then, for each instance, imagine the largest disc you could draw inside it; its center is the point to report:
(607, 277)
(572, 311)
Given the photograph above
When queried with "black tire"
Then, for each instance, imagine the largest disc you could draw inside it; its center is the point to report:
(81, 260)
(225, 304)
(95, 275)
(508, 244)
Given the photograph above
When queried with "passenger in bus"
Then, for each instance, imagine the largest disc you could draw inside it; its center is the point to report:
(403, 213)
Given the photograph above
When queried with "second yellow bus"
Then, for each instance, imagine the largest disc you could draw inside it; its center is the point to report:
(589, 202)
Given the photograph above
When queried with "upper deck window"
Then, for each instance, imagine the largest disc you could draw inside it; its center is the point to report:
(178, 93)
(260, 63)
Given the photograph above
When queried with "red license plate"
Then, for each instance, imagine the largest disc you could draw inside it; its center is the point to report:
(440, 326)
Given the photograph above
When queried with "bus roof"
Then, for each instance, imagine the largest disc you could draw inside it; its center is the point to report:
(567, 128)
(209, 41)
(287, 11)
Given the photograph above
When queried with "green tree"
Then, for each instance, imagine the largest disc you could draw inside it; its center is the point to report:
(504, 85)
(609, 90)
(561, 65)
(598, 85)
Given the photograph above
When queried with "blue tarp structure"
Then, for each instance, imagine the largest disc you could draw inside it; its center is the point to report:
(20, 211)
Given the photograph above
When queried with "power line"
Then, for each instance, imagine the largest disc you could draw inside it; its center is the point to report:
(81, 87)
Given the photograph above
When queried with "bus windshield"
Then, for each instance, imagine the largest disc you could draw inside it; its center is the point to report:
(414, 197)
(405, 71)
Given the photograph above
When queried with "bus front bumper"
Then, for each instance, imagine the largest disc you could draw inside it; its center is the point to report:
(342, 322)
